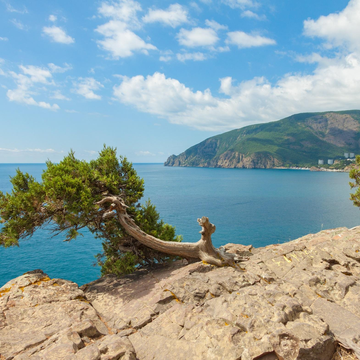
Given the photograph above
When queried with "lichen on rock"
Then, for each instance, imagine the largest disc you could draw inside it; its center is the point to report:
(290, 301)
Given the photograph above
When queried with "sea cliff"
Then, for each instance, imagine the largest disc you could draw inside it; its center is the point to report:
(296, 300)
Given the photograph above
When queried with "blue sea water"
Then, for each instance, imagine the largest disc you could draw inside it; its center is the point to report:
(257, 207)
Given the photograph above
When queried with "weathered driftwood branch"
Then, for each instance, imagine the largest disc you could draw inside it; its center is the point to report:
(203, 249)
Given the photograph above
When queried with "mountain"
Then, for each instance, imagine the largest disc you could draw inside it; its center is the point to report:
(298, 140)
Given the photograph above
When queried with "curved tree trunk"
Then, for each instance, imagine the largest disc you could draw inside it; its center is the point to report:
(203, 249)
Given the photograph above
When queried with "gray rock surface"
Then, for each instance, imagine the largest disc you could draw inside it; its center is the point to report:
(286, 301)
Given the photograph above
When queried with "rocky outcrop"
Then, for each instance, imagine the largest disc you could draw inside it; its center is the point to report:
(228, 160)
(288, 301)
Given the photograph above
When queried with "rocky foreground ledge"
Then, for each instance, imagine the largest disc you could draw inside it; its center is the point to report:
(290, 301)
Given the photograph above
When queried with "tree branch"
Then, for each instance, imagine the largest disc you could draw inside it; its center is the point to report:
(203, 249)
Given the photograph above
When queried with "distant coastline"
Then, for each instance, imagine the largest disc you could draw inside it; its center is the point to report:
(312, 169)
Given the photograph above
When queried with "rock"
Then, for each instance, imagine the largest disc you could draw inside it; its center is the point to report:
(287, 301)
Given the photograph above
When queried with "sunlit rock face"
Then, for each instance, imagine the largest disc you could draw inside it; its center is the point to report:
(286, 301)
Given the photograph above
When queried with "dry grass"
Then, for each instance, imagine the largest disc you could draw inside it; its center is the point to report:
(343, 354)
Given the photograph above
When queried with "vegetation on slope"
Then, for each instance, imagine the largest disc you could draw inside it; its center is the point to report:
(299, 140)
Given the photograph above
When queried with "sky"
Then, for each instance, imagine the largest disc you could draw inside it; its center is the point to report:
(155, 77)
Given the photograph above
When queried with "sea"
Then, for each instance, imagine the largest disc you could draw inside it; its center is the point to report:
(248, 206)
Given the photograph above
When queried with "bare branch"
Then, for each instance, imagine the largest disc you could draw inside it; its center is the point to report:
(203, 249)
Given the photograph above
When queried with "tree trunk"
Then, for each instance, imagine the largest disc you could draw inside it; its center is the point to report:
(203, 249)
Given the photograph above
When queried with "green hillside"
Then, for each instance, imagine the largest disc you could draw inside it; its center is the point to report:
(299, 140)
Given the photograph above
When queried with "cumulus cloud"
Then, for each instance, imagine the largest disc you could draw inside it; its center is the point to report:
(335, 85)
(198, 56)
(121, 42)
(86, 87)
(58, 69)
(59, 96)
(3, 38)
(174, 16)
(122, 10)
(119, 38)
(37, 74)
(244, 40)
(215, 25)
(339, 29)
(27, 80)
(57, 34)
(197, 37)
(250, 14)
(52, 18)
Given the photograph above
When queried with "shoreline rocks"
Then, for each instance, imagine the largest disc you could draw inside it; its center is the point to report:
(288, 301)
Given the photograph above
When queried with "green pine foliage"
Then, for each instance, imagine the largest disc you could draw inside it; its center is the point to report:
(65, 202)
(355, 175)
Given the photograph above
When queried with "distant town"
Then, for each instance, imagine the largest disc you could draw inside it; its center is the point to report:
(336, 164)
(347, 156)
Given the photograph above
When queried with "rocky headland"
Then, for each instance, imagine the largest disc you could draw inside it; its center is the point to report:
(297, 141)
(297, 300)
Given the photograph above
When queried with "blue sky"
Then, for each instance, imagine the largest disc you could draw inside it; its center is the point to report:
(153, 78)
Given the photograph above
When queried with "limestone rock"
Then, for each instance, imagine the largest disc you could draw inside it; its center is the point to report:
(285, 302)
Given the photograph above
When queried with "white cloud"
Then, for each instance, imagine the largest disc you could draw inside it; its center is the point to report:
(57, 34)
(197, 37)
(18, 24)
(195, 6)
(241, 4)
(244, 40)
(30, 150)
(52, 18)
(339, 29)
(119, 39)
(334, 85)
(198, 56)
(59, 96)
(250, 14)
(12, 9)
(58, 69)
(122, 10)
(3, 38)
(72, 111)
(23, 93)
(86, 87)
(37, 74)
(215, 25)
(144, 153)
(174, 16)
(165, 58)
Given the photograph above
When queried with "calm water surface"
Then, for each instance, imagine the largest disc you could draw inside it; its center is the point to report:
(257, 207)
